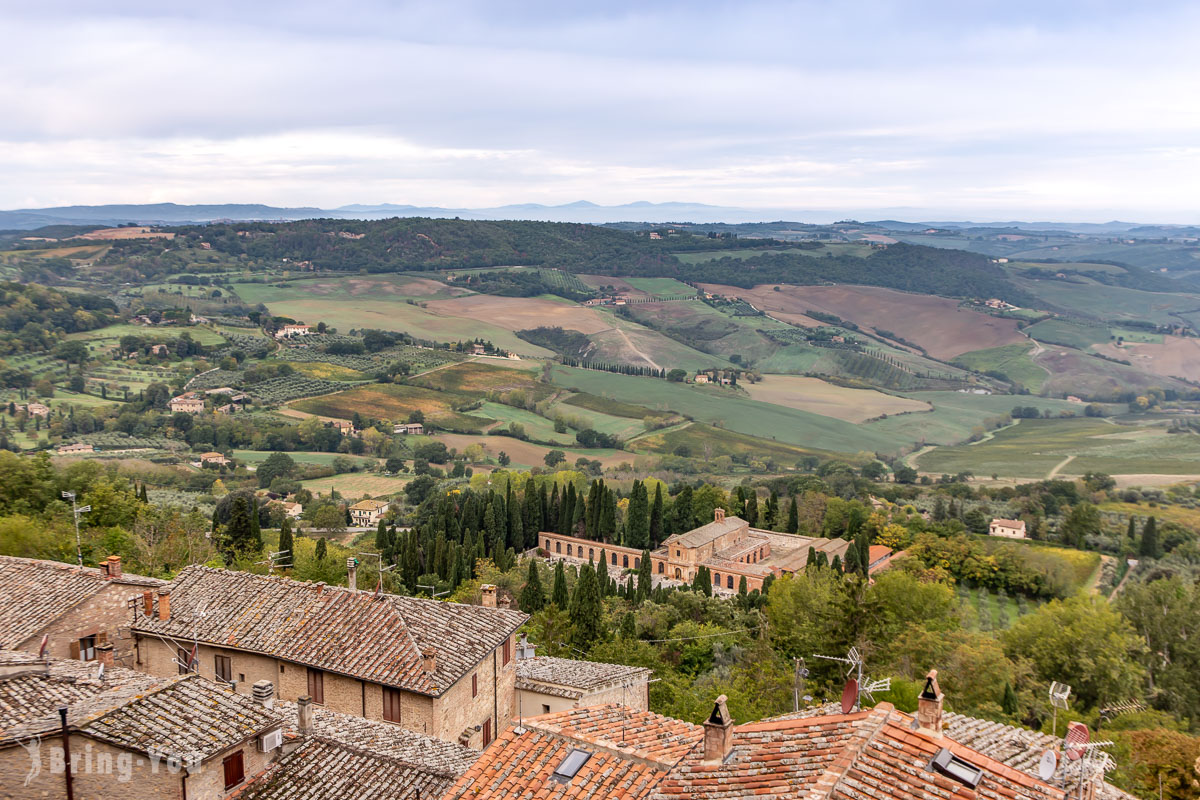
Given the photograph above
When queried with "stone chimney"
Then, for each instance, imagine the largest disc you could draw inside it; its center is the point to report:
(104, 655)
(352, 574)
(718, 514)
(164, 605)
(263, 693)
(112, 568)
(304, 715)
(429, 658)
(929, 706)
(488, 591)
(148, 603)
(718, 733)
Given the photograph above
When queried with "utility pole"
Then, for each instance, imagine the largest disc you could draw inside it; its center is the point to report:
(77, 510)
(798, 682)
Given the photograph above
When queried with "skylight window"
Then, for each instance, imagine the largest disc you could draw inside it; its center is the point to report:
(571, 765)
(954, 767)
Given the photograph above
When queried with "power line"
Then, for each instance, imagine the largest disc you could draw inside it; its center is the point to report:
(703, 636)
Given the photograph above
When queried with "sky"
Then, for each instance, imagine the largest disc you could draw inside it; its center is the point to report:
(933, 109)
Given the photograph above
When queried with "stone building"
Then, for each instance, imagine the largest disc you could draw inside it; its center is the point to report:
(443, 669)
(76, 610)
(546, 684)
(1008, 528)
(366, 513)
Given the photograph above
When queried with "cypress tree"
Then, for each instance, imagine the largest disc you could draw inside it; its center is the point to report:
(532, 599)
(602, 574)
(1131, 533)
(551, 515)
(516, 524)
(772, 512)
(592, 521)
(558, 595)
(1008, 703)
(1149, 545)
(586, 611)
(637, 520)
(143, 496)
(811, 561)
(628, 626)
(683, 518)
(793, 517)
(656, 518)
(645, 578)
(577, 516)
(381, 537)
(240, 531)
(836, 565)
(737, 502)
(608, 517)
(752, 509)
(322, 549)
(286, 543)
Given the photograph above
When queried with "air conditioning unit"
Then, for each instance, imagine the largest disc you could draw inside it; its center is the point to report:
(271, 740)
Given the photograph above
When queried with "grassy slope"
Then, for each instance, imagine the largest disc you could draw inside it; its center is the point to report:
(1011, 359)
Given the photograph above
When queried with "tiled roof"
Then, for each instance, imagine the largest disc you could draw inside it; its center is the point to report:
(321, 769)
(869, 754)
(34, 593)
(176, 716)
(630, 753)
(433, 755)
(369, 505)
(377, 639)
(575, 674)
(706, 533)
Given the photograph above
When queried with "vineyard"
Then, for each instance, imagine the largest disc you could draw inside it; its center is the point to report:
(419, 358)
(116, 440)
(564, 280)
(214, 379)
(274, 391)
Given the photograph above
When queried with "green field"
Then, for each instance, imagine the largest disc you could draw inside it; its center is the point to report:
(1033, 448)
(697, 440)
(957, 416)
(1071, 334)
(536, 427)
(1012, 359)
(203, 335)
(623, 426)
(1111, 303)
(255, 457)
(661, 287)
(394, 402)
(607, 405)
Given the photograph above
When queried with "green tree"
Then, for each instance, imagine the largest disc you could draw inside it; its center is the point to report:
(645, 578)
(1008, 702)
(276, 465)
(532, 599)
(558, 594)
(602, 574)
(503, 459)
(322, 549)
(637, 519)
(1148, 547)
(793, 517)
(1083, 521)
(554, 458)
(587, 610)
(287, 544)
(656, 517)
(241, 535)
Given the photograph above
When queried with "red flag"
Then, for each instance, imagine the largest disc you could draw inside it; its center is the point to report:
(191, 665)
(379, 585)
(45, 644)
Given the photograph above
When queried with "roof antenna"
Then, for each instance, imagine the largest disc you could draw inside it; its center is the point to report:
(856, 686)
(1059, 692)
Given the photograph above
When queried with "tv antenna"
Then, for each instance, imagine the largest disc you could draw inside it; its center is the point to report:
(277, 559)
(854, 661)
(1059, 692)
(76, 511)
(1108, 713)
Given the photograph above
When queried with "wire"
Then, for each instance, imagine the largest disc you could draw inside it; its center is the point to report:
(703, 636)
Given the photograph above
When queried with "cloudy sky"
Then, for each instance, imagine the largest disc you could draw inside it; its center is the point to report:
(958, 109)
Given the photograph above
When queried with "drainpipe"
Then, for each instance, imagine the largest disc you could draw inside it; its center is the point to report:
(495, 699)
(66, 740)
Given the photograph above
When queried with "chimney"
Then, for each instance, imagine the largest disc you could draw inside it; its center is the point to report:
(718, 733)
(352, 574)
(263, 693)
(429, 658)
(112, 568)
(718, 514)
(489, 595)
(104, 655)
(304, 715)
(929, 706)
(164, 605)
(148, 603)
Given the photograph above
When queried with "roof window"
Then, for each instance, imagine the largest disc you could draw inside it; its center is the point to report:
(571, 765)
(954, 767)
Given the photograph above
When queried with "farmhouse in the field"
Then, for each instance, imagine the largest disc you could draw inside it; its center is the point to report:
(187, 403)
(214, 458)
(290, 510)
(727, 546)
(365, 513)
(288, 331)
(409, 428)
(610, 751)
(80, 612)
(443, 669)
(344, 427)
(1008, 528)
(75, 449)
(36, 409)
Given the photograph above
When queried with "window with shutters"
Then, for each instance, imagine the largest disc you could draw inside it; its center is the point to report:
(183, 658)
(316, 685)
(475, 685)
(507, 650)
(235, 770)
(487, 732)
(391, 704)
(87, 648)
(223, 668)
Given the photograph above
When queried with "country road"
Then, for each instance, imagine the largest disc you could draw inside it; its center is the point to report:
(1059, 467)
(634, 347)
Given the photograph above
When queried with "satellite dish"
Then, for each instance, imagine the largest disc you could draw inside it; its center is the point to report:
(849, 696)
(1059, 692)
(1077, 735)
(1047, 765)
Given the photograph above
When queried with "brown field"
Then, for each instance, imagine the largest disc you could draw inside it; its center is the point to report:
(137, 232)
(935, 323)
(1074, 372)
(819, 397)
(397, 285)
(529, 454)
(520, 313)
(392, 401)
(1176, 357)
(477, 377)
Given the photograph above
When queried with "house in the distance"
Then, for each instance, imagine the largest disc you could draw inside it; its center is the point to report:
(214, 458)
(75, 449)
(187, 403)
(1008, 528)
(289, 331)
(366, 513)
(409, 428)
(36, 409)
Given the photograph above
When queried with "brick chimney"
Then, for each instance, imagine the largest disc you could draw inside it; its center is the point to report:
(429, 658)
(104, 655)
(718, 733)
(488, 591)
(929, 706)
(352, 574)
(304, 715)
(263, 693)
(164, 605)
(112, 568)
(718, 514)
(148, 603)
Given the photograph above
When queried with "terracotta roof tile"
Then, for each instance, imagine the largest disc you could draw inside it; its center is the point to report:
(575, 674)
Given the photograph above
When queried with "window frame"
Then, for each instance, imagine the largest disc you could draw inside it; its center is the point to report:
(223, 668)
(237, 758)
(316, 685)
(392, 709)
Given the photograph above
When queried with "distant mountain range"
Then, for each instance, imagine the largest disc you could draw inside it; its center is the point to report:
(581, 211)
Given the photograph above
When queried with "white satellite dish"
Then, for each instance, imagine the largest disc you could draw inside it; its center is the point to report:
(1059, 692)
(1047, 765)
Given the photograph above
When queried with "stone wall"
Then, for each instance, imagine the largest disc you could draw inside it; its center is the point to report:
(105, 612)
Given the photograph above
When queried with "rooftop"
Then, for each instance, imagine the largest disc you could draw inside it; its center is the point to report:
(706, 533)
(576, 675)
(373, 638)
(369, 505)
(34, 593)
